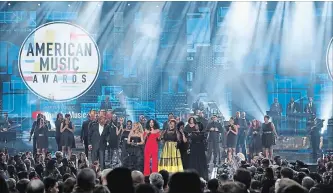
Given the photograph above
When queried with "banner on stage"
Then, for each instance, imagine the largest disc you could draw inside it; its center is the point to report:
(59, 61)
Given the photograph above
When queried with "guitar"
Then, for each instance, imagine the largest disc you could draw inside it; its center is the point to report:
(10, 128)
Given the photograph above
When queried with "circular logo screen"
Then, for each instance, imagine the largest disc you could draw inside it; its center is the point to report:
(59, 61)
(329, 60)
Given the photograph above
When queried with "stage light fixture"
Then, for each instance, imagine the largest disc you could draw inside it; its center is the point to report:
(128, 4)
(98, 5)
(156, 5)
(8, 4)
(69, 5)
(38, 4)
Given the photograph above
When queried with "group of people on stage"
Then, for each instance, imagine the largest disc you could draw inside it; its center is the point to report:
(39, 134)
(190, 145)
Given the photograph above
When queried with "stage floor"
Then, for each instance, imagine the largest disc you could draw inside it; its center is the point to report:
(288, 147)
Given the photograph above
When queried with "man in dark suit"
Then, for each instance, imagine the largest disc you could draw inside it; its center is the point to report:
(310, 107)
(106, 104)
(99, 140)
(276, 112)
(85, 130)
(293, 107)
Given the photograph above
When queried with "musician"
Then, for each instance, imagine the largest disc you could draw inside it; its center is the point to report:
(5, 123)
(293, 107)
(85, 130)
(276, 110)
(315, 137)
(215, 130)
(98, 140)
(310, 107)
(106, 104)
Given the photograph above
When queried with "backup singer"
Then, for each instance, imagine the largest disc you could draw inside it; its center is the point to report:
(57, 123)
(42, 141)
(170, 157)
(242, 132)
(268, 137)
(115, 130)
(183, 145)
(123, 143)
(98, 140)
(215, 130)
(232, 132)
(152, 135)
(135, 142)
(197, 157)
(34, 134)
(67, 135)
(254, 139)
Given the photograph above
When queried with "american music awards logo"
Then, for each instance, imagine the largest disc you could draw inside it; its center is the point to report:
(59, 61)
(329, 59)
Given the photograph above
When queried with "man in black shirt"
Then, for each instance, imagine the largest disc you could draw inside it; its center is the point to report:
(315, 137)
(201, 118)
(166, 123)
(242, 132)
(85, 130)
(215, 130)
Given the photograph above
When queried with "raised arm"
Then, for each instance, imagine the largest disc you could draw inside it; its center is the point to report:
(236, 130)
(62, 127)
(273, 128)
(73, 128)
(142, 140)
(129, 137)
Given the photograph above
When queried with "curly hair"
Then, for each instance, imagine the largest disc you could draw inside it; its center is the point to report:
(156, 125)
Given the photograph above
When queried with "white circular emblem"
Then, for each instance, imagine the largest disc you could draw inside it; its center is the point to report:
(59, 61)
(329, 59)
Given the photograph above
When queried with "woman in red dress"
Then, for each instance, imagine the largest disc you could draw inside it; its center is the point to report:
(152, 135)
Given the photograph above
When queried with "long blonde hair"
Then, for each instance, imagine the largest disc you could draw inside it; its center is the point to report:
(138, 128)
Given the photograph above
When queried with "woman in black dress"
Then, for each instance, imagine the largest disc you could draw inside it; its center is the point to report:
(123, 143)
(67, 136)
(42, 141)
(135, 143)
(183, 144)
(190, 125)
(232, 132)
(268, 137)
(254, 139)
(197, 156)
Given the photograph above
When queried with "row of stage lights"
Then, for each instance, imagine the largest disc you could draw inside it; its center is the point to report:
(127, 4)
(97, 4)
(67, 5)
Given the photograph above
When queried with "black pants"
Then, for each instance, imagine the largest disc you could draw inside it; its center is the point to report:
(58, 143)
(98, 154)
(213, 148)
(34, 145)
(86, 144)
(315, 141)
(277, 123)
(111, 152)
